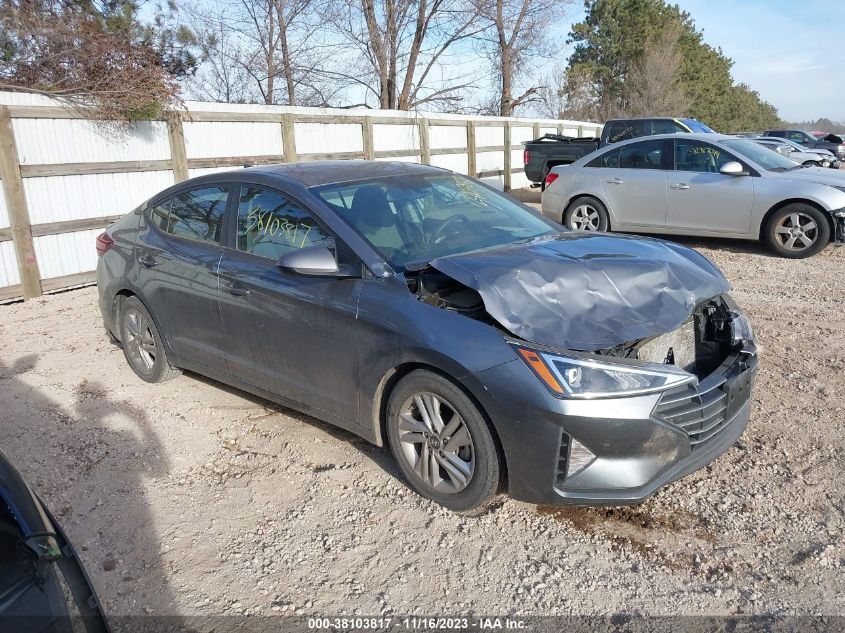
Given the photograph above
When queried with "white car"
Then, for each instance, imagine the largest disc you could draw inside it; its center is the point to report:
(701, 184)
(799, 153)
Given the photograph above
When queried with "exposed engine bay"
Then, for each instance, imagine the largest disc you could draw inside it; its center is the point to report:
(699, 346)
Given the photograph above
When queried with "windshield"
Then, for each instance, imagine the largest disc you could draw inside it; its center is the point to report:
(766, 158)
(697, 126)
(418, 218)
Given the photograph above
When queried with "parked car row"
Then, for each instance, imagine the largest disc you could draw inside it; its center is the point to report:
(701, 184)
(799, 153)
(832, 142)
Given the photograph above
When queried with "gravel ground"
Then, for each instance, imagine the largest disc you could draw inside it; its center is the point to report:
(193, 498)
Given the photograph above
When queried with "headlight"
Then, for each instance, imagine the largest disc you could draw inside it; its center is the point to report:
(584, 377)
(740, 329)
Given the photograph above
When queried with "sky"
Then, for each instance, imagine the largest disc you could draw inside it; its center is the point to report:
(790, 51)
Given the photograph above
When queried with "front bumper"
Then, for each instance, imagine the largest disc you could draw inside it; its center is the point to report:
(640, 443)
(839, 227)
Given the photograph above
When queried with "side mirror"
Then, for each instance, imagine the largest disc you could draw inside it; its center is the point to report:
(314, 260)
(733, 168)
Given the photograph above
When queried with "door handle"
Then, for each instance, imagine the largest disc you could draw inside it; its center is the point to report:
(615, 181)
(147, 261)
(234, 288)
(679, 185)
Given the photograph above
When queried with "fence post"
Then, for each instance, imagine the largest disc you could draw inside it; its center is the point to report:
(10, 173)
(580, 131)
(367, 134)
(536, 130)
(560, 129)
(507, 176)
(178, 153)
(472, 170)
(289, 137)
(425, 148)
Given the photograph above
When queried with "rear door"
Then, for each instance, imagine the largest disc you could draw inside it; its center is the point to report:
(634, 181)
(177, 257)
(291, 334)
(701, 198)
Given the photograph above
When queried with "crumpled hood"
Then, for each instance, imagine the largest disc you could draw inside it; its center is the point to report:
(585, 291)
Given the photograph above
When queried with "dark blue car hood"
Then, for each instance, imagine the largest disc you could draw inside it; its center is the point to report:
(586, 291)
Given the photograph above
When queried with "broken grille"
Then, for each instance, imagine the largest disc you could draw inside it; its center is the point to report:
(699, 411)
(563, 457)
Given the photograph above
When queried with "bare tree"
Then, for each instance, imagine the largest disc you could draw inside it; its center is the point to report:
(653, 87)
(516, 34)
(270, 51)
(401, 46)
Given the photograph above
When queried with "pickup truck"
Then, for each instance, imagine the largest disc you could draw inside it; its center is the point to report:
(551, 150)
(830, 142)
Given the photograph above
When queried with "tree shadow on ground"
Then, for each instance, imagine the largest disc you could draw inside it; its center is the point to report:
(75, 459)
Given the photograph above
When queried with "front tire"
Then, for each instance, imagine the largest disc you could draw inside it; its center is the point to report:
(142, 344)
(797, 231)
(442, 443)
(812, 163)
(586, 214)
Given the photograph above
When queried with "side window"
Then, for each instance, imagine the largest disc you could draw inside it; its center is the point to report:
(664, 126)
(608, 159)
(197, 214)
(160, 214)
(798, 137)
(645, 155)
(270, 225)
(624, 130)
(700, 157)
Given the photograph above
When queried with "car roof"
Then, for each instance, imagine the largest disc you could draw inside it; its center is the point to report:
(326, 172)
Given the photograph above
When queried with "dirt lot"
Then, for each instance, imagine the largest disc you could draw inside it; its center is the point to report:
(191, 498)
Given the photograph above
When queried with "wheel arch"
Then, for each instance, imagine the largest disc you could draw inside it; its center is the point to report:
(783, 203)
(122, 295)
(592, 196)
(389, 381)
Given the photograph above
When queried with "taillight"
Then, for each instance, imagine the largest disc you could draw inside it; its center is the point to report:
(104, 243)
(550, 178)
(525, 157)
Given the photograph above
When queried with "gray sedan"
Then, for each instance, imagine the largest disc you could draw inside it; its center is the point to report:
(701, 184)
(423, 311)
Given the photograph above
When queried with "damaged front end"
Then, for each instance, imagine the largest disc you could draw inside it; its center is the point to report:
(649, 361)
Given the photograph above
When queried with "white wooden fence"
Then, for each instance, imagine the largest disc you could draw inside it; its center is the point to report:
(65, 178)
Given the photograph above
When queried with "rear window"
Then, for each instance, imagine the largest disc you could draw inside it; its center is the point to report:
(608, 159)
(645, 155)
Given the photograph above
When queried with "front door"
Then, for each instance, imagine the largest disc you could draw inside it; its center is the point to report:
(291, 334)
(701, 198)
(177, 263)
(634, 182)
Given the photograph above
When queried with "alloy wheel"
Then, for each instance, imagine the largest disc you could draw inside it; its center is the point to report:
(436, 443)
(585, 218)
(797, 231)
(140, 342)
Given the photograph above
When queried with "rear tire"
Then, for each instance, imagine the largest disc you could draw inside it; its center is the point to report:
(797, 231)
(142, 344)
(442, 443)
(586, 214)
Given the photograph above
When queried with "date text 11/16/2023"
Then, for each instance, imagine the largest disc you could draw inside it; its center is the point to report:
(415, 623)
